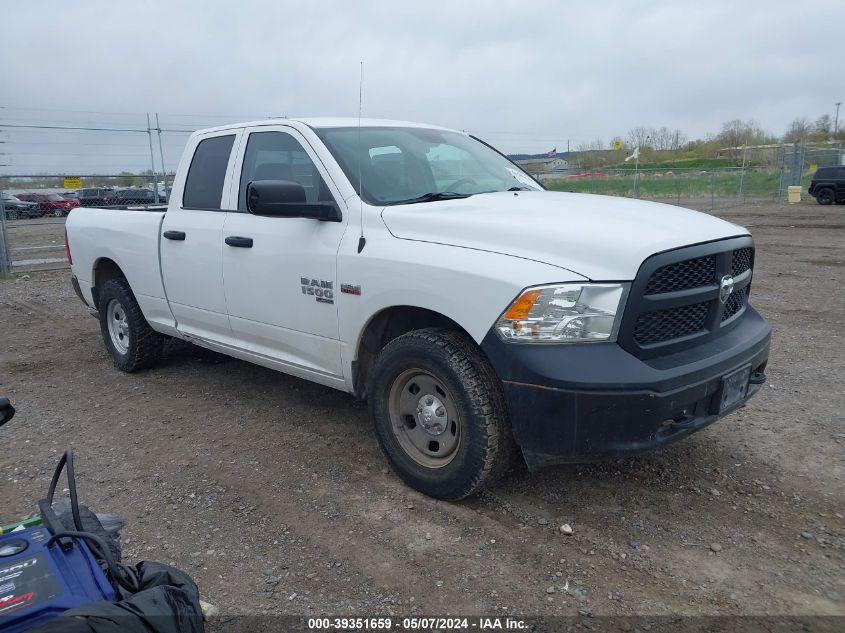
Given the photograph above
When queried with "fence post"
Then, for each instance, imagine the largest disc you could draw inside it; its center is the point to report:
(742, 173)
(712, 193)
(161, 155)
(152, 159)
(637, 175)
(5, 260)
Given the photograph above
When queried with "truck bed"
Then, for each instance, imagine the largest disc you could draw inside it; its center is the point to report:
(130, 236)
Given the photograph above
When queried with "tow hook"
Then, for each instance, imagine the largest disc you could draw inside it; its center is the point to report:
(757, 378)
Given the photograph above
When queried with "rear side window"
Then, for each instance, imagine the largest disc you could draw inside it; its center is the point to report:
(204, 184)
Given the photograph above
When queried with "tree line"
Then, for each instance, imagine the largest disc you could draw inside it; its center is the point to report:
(663, 143)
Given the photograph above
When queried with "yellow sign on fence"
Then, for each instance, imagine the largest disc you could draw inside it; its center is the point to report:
(72, 182)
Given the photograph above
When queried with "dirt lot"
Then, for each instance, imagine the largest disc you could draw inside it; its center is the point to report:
(272, 492)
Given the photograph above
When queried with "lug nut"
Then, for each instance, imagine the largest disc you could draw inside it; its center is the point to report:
(440, 412)
(429, 401)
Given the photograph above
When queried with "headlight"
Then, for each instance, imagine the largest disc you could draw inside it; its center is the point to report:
(565, 313)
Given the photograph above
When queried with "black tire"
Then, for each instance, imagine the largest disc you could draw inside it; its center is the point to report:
(144, 344)
(12, 214)
(485, 445)
(825, 196)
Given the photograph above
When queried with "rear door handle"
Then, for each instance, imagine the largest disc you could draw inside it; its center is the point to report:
(179, 236)
(239, 242)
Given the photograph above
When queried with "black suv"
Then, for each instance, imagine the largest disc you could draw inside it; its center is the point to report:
(94, 197)
(134, 196)
(828, 185)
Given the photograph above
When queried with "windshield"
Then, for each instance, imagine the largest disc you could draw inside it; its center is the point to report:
(53, 196)
(403, 164)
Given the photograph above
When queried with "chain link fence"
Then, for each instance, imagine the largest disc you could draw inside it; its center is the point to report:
(35, 209)
(701, 188)
(775, 169)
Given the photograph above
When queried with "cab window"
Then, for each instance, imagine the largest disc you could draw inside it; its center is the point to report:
(204, 183)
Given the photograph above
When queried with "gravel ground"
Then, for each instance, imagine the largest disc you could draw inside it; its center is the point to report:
(272, 493)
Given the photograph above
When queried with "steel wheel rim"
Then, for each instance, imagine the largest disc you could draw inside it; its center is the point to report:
(118, 326)
(424, 418)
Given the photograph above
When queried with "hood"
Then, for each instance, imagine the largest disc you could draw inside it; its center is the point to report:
(600, 237)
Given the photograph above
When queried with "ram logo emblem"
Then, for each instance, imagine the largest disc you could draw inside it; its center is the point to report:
(726, 287)
(321, 289)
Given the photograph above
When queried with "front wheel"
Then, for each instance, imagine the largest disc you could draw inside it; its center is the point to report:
(129, 339)
(57, 213)
(439, 414)
(825, 196)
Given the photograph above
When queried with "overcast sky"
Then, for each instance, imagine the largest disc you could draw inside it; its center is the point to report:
(526, 76)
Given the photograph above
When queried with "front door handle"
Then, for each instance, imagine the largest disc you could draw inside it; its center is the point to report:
(179, 236)
(239, 242)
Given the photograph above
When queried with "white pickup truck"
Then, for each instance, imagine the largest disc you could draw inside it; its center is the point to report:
(419, 268)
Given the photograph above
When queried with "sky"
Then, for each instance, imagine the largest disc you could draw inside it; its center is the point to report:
(525, 76)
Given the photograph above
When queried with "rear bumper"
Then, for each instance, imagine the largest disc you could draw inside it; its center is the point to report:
(582, 402)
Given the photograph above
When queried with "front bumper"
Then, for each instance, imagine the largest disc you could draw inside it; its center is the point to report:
(582, 402)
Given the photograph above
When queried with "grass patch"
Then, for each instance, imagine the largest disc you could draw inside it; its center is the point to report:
(681, 185)
(689, 163)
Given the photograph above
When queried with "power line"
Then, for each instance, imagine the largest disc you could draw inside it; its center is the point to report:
(64, 127)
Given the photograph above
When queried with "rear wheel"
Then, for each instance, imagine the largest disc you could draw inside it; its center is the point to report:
(439, 414)
(57, 213)
(130, 340)
(825, 196)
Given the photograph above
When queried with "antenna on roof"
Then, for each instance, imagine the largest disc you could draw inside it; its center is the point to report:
(361, 240)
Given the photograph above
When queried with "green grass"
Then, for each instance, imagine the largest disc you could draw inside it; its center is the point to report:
(689, 163)
(682, 184)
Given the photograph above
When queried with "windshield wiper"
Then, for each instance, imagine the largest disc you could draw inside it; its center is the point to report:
(434, 195)
(521, 189)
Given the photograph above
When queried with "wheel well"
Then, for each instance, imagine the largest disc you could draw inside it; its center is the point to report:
(385, 326)
(104, 270)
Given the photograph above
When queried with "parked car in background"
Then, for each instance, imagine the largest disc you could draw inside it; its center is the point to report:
(94, 197)
(16, 208)
(70, 195)
(828, 185)
(133, 196)
(51, 203)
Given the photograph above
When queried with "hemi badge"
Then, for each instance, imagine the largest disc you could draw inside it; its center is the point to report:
(349, 289)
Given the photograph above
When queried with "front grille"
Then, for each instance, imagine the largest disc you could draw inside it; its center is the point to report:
(734, 304)
(653, 327)
(741, 260)
(661, 319)
(684, 275)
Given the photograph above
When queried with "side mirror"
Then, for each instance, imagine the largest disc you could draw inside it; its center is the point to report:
(7, 411)
(286, 199)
